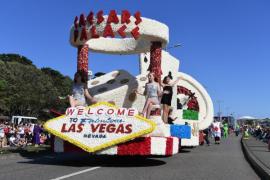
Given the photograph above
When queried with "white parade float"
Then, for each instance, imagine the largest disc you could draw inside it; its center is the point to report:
(98, 128)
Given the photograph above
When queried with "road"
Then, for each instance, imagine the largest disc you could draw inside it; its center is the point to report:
(224, 161)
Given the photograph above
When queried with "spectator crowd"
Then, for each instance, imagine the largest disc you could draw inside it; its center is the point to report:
(261, 133)
(21, 135)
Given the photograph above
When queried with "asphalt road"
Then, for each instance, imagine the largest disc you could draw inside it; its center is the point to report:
(224, 161)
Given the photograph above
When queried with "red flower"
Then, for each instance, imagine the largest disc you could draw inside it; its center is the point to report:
(108, 31)
(83, 34)
(100, 17)
(121, 31)
(94, 32)
(137, 15)
(90, 18)
(135, 32)
(125, 17)
(112, 18)
(82, 20)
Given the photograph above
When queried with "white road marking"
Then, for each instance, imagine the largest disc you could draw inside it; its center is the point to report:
(76, 173)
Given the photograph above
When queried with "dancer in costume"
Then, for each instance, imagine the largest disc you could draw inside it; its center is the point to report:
(226, 129)
(216, 131)
(246, 134)
(152, 92)
(80, 93)
(166, 99)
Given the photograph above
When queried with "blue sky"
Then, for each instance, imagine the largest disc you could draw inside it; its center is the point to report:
(225, 42)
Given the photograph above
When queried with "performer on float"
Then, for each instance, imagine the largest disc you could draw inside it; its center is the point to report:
(170, 117)
(152, 92)
(166, 99)
(80, 93)
(216, 131)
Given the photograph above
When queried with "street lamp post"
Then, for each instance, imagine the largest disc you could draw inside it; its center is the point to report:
(174, 46)
(227, 111)
(219, 109)
(235, 121)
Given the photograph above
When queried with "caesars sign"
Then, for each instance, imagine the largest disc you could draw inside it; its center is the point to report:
(99, 126)
(91, 26)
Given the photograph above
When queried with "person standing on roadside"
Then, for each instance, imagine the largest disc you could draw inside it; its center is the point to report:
(36, 137)
(2, 135)
(206, 136)
(216, 131)
(226, 129)
(237, 129)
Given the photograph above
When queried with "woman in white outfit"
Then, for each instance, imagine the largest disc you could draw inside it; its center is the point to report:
(152, 93)
(80, 93)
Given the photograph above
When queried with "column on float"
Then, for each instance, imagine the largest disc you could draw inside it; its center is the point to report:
(155, 67)
(82, 60)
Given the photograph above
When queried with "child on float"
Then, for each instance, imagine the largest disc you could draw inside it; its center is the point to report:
(166, 99)
(80, 93)
(152, 92)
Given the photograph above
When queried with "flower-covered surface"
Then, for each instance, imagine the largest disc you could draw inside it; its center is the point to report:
(98, 126)
(124, 34)
(82, 60)
(155, 60)
(143, 146)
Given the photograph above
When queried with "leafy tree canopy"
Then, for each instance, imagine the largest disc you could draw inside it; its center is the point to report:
(29, 91)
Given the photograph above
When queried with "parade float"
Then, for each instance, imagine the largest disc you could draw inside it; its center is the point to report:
(113, 126)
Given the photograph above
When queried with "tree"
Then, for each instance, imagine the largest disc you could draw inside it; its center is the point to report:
(27, 90)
